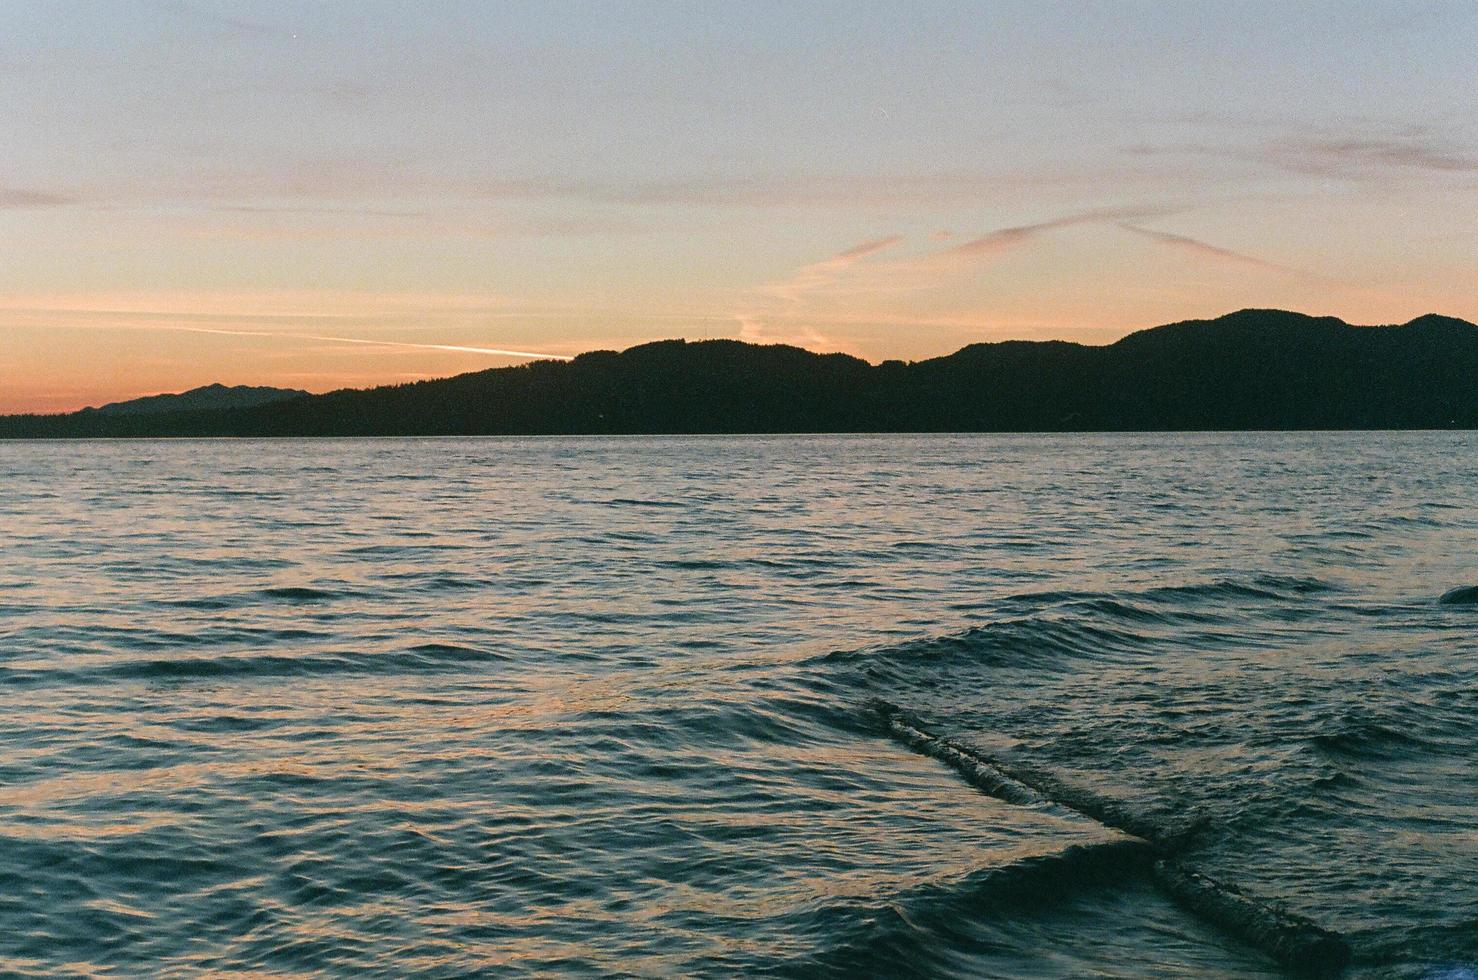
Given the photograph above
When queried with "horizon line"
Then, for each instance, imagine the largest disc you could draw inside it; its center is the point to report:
(536, 357)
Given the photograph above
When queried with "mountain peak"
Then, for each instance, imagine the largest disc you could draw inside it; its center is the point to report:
(1266, 324)
(1437, 320)
(1263, 315)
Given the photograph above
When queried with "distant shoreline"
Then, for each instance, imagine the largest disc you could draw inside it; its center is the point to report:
(1250, 371)
(725, 435)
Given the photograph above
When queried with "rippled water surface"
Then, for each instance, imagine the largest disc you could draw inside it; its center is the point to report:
(596, 706)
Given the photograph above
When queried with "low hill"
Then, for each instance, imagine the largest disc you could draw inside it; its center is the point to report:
(204, 399)
(1255, 369)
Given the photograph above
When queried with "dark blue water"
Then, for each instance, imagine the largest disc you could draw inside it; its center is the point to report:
(593, 707)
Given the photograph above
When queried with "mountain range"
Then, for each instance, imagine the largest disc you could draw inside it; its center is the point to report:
(1254, 369)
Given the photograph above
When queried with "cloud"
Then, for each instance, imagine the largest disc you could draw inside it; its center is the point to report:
(400, 344)
(328, 182)
(339, 179)
(250, 209)
(868, 248)
(792, 309)
(284, 303)
(391, 344)
(787, 309)
(239, 314)
(228, 26)
(1342, 155)
(356, 212)
(407, 314)
(849, 288)
(329, 179)
(1209, 251)
(818, 275)
(1335, 155)
(781, 299)
(16, 198)
(796, 190)
(1005, 239)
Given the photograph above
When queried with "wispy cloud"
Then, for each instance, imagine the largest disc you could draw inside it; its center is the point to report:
(329, 181)
(781, 299)
(256, 304)
(847, 286)
(1345, 155)
(391, 344)
(17, 198)
(783, 190)
(356, 212)
(1348, 155)
(212, 314)
(578, 325)
(1006, 239)
(818, 275)
(1206, 250)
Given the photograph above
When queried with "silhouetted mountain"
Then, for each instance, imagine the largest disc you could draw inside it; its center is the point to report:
(1256, 369)
(208, 398)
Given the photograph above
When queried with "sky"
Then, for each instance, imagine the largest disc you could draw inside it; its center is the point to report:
(331, 194)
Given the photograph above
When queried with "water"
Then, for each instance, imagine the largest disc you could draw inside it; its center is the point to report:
(598, 706)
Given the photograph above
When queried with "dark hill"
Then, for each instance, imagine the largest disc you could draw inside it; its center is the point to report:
(207, 398)
(1255, 369)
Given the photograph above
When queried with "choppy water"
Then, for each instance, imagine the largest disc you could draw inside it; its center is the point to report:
(596, 706)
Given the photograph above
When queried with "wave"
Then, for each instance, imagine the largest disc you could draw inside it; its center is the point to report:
(898, 934)
(639, 502)
(1289, 938)
(976, 770)
(1035, 642)
(1167, 603)
(1043, 878)
(1172, 831)
(1452, 940)
(1022, 785)
(1366, 739)
(290, 594)
(1073, 630)
(1260, 588)
(415, 659)
(698, 564)
(439, 582)
(299, 593)
(1127, 611)
(1278, 587)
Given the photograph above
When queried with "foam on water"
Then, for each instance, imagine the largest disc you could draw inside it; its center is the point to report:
(591, 707)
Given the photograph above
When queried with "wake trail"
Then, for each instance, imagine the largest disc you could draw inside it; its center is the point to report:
(1293, 940)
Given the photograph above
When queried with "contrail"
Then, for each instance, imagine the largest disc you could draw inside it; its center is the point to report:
(455, 348)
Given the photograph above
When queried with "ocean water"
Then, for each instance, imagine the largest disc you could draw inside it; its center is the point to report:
(591, 707)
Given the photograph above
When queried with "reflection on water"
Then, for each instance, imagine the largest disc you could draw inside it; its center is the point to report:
(578, 706)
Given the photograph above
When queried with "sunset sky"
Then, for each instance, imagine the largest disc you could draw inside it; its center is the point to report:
(322, 194)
